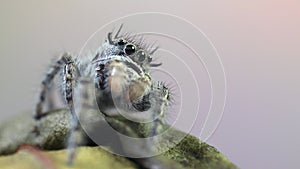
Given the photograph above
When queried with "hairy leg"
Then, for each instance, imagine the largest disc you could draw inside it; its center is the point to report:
(69, 77)
(47, 82)
(65, 62)
(159, 99)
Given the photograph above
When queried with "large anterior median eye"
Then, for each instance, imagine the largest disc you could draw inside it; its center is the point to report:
(129, 49)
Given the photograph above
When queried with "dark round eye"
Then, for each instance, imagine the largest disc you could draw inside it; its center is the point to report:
(129, 49)
(122, 42)
(141, 56)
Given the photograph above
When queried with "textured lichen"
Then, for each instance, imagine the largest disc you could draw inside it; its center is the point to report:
(190, 152)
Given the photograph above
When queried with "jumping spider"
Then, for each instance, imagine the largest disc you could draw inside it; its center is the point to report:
(119, 72)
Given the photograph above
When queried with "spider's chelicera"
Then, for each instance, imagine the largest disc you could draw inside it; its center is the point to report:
(119, 72)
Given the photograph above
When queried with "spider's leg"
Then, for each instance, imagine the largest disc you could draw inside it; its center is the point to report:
(160, 99)
(51, 99)
(68, 87)
(46, 83)
(87, 110)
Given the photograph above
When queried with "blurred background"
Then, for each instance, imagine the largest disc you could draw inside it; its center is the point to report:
(258, 42)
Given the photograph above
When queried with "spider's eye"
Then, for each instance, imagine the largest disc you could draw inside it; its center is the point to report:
(129, 49)
(141, 56)
(122, 42)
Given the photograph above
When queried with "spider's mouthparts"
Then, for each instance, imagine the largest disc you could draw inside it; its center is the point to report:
(123, 81)
(117, 82)
(121, 85)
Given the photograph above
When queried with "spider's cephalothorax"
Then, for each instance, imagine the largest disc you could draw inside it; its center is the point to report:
(120, 78)
(122, 75)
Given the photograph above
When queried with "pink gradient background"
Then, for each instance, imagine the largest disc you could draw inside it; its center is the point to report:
(258, 42)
